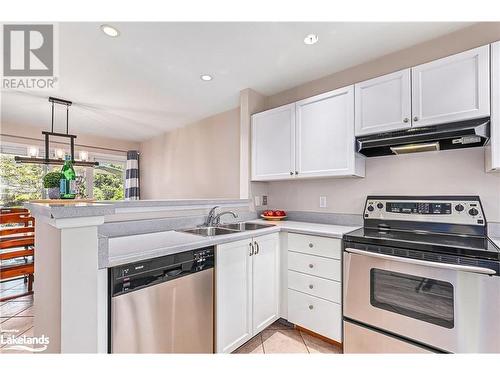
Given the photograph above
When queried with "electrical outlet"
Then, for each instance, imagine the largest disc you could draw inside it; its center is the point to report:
(322, 202)
(264, 200)
(257, 200)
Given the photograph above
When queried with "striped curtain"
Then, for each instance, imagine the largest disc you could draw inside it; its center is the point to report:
(132, 177)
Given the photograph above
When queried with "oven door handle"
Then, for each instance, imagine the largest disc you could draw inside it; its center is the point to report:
(456, 267)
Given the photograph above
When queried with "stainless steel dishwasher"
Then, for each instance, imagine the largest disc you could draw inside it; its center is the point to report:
(163, 305)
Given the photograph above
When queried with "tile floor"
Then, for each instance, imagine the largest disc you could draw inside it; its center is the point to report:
(281, 338)
(16, 318)
(16, 315)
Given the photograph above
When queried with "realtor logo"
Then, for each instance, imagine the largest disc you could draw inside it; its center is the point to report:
(28, 56)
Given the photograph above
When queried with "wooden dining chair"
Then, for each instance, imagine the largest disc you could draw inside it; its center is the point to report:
(17, 240)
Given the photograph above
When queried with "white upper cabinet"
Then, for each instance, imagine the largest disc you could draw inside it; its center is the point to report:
(493, 151)
(325, 135)
(453, 88)
(383, 104)
(273, 144)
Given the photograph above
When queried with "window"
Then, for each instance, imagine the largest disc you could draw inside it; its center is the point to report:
(19, 182)
(24, 182)
(109, 181)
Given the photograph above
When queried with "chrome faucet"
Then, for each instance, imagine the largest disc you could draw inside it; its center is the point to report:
(211, 216)
(214, 220)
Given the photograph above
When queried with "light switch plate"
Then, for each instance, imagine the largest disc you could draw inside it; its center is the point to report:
(257, 200)
(322, 202)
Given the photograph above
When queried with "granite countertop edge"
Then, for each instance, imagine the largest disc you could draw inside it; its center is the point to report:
(102, 208)
(324, 230)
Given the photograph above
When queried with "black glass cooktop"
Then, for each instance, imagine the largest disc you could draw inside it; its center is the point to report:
(458, 245)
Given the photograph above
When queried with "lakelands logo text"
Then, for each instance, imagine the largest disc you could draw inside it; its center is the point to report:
(29, 57)
(24, 343)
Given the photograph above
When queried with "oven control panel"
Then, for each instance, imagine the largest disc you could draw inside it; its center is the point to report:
(453, 210)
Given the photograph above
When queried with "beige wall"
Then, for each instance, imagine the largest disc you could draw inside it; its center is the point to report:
(448, 172)
(200, 160)
(33, 136)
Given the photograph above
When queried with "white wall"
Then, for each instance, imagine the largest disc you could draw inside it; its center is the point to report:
(458, 172)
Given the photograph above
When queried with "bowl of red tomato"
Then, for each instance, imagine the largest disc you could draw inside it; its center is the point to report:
(273, 215)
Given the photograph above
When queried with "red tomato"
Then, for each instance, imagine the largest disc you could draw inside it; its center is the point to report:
(279, 213)
(269, 213)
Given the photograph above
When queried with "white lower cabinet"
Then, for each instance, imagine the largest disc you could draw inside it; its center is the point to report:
(314, 284)
(246, 289)
(315, 314)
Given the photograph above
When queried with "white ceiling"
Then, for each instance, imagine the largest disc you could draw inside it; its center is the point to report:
(146, 81)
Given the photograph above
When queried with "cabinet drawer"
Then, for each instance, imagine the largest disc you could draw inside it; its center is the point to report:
(315, 266)
(315, 314)
(315, 286)
(314, 245)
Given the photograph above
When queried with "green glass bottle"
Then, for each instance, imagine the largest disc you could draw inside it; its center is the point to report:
(67, 184)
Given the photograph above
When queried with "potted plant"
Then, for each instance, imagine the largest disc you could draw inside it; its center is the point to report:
(51, 182)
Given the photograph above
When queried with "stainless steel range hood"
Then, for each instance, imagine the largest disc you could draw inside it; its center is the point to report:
(464, 134)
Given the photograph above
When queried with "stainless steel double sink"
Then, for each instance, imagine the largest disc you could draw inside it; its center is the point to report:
(225, 229)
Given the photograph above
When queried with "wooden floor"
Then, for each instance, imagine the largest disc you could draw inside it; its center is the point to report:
(16, 315)
(285, 339)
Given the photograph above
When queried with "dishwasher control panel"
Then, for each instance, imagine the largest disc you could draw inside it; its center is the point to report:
(129, 277)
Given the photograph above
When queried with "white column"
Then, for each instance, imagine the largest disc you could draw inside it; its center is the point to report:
(70, 290)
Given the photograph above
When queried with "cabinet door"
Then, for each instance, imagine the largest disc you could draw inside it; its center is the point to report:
(325, 134)
(273, 144)
(266, 276)
(451, 89)
(493, 151)
(233, 295)
(383, 104)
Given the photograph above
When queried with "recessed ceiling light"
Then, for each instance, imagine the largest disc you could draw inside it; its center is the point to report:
(206, 77)
(110, 31)
(311, 39)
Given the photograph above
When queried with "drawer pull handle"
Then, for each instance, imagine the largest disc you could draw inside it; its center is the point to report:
(310, 244)
(311, 265)
(311, 307)
(311, 286)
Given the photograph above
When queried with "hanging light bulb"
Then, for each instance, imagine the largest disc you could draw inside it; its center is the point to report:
(33, 151)
(84, 156)
(60, 153)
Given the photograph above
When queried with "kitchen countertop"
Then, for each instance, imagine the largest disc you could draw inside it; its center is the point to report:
(102, 208)
(115, 251)
(325, 230)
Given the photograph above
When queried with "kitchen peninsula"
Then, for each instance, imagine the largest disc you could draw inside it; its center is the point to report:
(77, 244)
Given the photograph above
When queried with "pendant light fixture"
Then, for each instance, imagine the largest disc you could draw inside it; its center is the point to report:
(47, 135)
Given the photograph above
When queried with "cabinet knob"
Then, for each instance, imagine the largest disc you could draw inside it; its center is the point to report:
(311, 244)
(311, 265)
(251, 248)
(406, 119)
(296, 172)
(415, 118)
(311, 286)
(311, 307)
(291, 173)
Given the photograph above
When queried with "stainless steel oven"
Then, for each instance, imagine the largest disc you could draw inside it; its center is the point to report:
(447, 307)
(421, 275)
